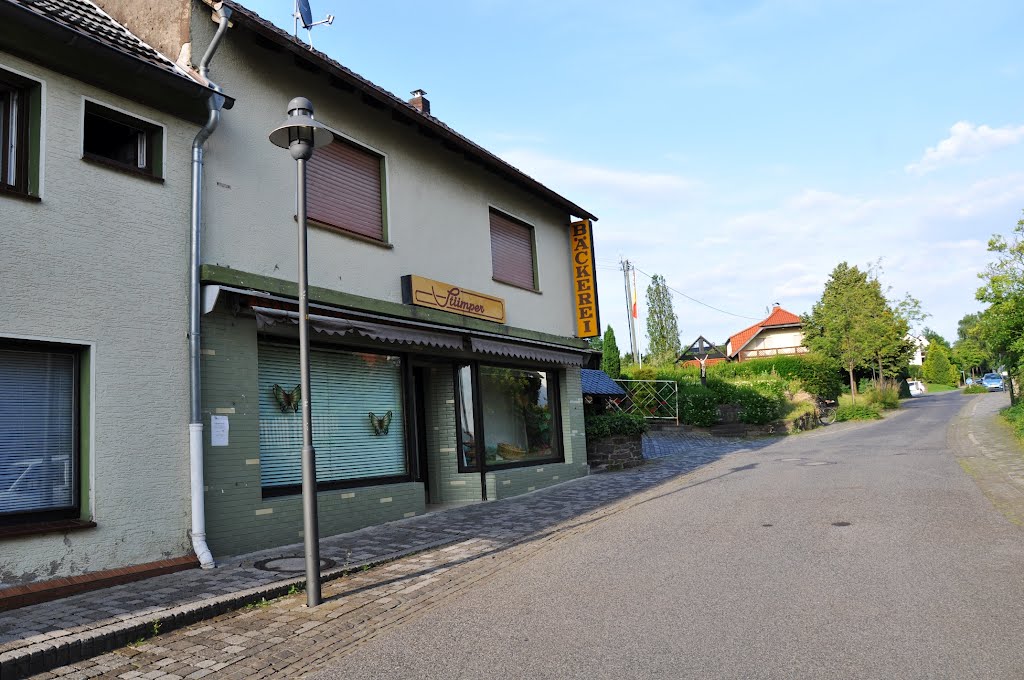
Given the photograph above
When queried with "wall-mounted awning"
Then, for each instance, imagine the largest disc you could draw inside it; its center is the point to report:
(267, 317)
(517, 351)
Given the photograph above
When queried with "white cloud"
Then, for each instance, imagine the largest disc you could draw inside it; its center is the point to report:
(571, 177)
(966, 142)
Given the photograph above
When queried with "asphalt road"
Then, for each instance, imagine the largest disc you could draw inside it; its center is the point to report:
(856, 552)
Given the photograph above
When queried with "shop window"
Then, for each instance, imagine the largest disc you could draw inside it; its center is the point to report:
(518, 421)
(121, 141)
(345, 189)
(358, 419)
(512, 252)
(19, 134)
(39, 453)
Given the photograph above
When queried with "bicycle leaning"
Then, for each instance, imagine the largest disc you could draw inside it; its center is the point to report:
(825, 410)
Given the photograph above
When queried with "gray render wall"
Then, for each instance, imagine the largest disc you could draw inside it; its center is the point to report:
(103, 260)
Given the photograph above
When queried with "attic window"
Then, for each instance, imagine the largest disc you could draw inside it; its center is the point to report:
(121, 141)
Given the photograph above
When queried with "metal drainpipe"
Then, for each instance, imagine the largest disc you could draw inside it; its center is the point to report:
(195, 427)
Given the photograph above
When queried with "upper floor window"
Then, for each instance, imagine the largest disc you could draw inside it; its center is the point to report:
(512, 251)
(19, 134)
(122, 141)
(346, 189)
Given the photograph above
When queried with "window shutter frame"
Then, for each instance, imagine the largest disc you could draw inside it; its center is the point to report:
(346, 189)
(513, 251)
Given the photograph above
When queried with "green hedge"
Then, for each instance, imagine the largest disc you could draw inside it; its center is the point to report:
(975, 389)
(857, 412)
(608, 424)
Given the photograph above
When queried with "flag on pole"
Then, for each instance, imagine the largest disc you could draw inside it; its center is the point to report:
(634, 294)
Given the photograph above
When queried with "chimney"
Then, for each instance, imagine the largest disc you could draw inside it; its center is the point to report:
(421, 103)
(775, 305)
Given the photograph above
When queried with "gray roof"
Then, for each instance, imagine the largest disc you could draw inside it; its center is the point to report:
(600, 383)
(89, 20)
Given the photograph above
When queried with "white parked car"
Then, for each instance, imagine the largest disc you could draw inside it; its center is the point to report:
(917, 388)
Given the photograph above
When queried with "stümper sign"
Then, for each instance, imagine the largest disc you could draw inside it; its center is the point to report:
(584, 279)
(418, 290)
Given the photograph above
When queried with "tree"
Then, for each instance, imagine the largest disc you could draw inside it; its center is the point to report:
(934, 338)
(937, 369)
(662, 324)
(611, 363)
(839, 325)
(1001, 327)
(969, 354)
(967, 326)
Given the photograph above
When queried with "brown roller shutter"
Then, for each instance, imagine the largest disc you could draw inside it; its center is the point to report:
(343, 189)
(512, 251)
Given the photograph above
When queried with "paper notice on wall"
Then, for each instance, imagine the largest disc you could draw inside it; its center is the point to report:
(218, 430)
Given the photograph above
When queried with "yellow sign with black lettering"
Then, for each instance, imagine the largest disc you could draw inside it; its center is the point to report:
(584, 280)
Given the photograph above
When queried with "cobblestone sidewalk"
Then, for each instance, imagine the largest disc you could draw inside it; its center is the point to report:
(987, 450)
(56, 634)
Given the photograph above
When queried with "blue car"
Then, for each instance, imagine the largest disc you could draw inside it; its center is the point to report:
(993, 382)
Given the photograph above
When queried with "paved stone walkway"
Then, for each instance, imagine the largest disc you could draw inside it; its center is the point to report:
(55, 634)
(988, 451)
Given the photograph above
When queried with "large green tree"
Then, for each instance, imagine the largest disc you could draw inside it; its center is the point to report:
(611, 362)
(662, 324)
(1001, 327)
(854, 324)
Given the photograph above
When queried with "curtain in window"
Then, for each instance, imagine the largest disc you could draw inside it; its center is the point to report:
(37, 431)
(347, 387)
(344, 189)
(512, 251)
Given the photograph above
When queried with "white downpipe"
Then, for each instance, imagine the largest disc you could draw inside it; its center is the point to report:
(195, 428)
(195, 451)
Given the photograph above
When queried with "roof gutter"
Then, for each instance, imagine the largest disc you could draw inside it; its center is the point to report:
(195, 427)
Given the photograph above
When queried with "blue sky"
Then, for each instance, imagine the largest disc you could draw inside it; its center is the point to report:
(741, 149)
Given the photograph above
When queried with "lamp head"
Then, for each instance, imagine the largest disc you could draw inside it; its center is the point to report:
(300, 133)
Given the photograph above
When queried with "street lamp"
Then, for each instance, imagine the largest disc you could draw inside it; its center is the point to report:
(300, 134)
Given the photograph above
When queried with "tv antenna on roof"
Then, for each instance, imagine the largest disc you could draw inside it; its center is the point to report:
(305, 15)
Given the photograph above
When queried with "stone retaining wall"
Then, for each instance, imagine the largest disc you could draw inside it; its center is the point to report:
(616, 451)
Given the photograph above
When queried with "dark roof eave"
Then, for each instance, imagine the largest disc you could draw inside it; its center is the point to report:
(247, 18)
(24, 33)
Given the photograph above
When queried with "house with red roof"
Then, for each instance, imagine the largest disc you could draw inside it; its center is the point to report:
(780, 333)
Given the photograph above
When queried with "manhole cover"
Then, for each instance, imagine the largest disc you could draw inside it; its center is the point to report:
(290, 564)
(840, 524)
(767, 525)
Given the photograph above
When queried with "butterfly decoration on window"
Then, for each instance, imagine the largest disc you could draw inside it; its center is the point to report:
(380, 425)
(287, 401)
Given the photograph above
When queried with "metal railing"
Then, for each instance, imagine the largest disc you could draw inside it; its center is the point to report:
(653, 399)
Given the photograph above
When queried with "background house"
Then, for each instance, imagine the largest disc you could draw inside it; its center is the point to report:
(699, 349)
(920, 344)
(781, 332)
(94, 194)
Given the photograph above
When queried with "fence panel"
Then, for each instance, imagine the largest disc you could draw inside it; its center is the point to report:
(653, 399)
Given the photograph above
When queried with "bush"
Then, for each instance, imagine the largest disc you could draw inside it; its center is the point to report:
(975, 389)
(857, 412)
(697, 405)
(885, 394)
(609, 424)
(1015, 416)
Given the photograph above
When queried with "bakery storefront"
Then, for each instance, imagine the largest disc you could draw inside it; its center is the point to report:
(409, 412)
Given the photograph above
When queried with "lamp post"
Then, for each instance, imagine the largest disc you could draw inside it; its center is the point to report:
(300, 134)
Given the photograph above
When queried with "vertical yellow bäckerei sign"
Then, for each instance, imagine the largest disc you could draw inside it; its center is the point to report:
(584, 279)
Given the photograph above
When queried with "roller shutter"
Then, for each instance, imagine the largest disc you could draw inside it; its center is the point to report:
(344, 189)
(346, 387)
(512, 251)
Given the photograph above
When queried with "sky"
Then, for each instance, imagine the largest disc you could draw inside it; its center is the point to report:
(740, 148)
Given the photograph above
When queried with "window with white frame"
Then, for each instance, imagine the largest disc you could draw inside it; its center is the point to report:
(39, 452)
(121, 141)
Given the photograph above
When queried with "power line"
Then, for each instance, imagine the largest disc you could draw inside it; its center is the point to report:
(693, 299)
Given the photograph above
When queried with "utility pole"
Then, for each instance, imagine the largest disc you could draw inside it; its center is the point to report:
(626, 268)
